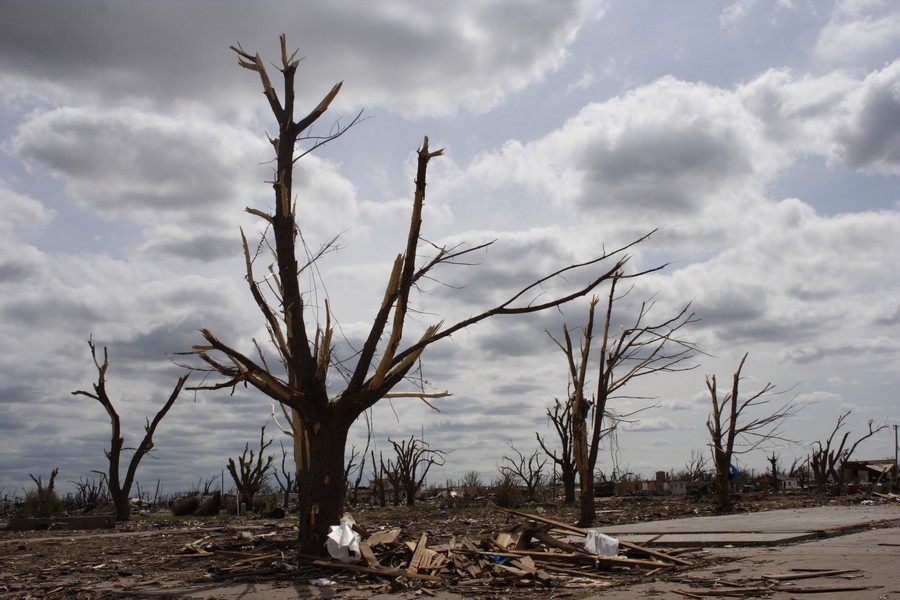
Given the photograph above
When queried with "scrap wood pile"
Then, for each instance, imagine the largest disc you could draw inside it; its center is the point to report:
(532, 551)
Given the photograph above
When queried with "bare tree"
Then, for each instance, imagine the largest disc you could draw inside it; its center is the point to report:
(773, 464)
(529, 470)
(695, 468)
(119, 489)
(800, 471)
(413, 461)
(827, 460)
(390, 472)
(252, 470)
(289, 484)
(639, 349)
(733, 432)
(302, 341)
(91, 493)
(561, 418)
(472, 479)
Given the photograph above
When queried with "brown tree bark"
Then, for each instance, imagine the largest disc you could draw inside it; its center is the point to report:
(320, 423)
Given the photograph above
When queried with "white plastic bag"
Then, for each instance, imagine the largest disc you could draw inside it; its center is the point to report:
(600, 543)
(343, 542)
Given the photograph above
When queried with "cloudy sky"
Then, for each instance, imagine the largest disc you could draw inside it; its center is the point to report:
(760, 138)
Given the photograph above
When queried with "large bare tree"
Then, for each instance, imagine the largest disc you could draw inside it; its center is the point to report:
(120, 489)
(734, 430)
(641, 348)
(302, 338)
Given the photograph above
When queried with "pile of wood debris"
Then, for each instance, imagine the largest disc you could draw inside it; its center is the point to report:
(532, 551)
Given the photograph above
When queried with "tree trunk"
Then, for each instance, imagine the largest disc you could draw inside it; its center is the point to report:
(123, 506)
(320, 482)
(568, 479)
(586, 500)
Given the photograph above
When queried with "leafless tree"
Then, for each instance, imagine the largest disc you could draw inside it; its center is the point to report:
(119, 489)
(827, 460)
(303, 341)
(561, 418)
(472, 479)
(289, 483)
(695, 468)
(638, 350)
(377, 482)
(773, 464)
(527, 470)
(91, 493)
(390, 473)
(413, 459)
(800, 470)
(251, 470)
(734, 432)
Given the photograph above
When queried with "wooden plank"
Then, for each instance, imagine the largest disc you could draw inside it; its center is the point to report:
(383, 537)
(583, 532)
(415, 563)
(384, 572)
(366, 551)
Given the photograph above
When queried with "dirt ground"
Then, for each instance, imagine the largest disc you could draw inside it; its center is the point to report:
(158, 556)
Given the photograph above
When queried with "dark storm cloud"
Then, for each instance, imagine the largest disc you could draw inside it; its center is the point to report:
(171, 51)
(872, 142)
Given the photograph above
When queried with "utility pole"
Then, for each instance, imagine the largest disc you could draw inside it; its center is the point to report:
(894, 481)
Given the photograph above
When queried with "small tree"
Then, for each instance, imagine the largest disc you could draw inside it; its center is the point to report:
(91, 493)
(472, 479)
(42, 501)
(289, 484)
(696, 467)
(413, 460)
(561, 418)
(773, 465)
(733, 432)
(529, 470)
(827, 460)
(252, 470)
(638, 350)
(119, 489)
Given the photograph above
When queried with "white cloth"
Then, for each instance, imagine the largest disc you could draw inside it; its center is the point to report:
(343, 542)
(600, 543)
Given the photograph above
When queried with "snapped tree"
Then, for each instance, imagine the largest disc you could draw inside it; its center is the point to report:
(639, 349)
(733, 431)
(827, 460)
(302, 339)
(120, 489)
(251, 471)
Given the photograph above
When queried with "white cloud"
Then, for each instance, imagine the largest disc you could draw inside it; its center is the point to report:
(859, 28)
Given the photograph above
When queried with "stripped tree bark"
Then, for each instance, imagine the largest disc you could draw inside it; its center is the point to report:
(640, 349)
(120, 489)
(320, 420)
(732, 434)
